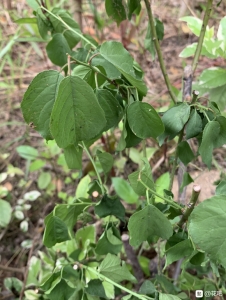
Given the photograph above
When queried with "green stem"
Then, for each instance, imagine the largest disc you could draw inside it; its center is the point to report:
(175, 161)
(171, 202)
(95, 167)
(96, 82)
(194, 198)
(69, 28)
(158, 50)
(104, 278)
(202, 35)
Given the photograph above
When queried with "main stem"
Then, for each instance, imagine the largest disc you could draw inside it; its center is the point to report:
(202, 35)
(158, 50)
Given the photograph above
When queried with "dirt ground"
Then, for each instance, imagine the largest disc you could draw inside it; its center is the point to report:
(25, 62)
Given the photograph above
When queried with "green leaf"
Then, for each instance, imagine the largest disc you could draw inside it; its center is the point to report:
(111, 107)
(44, 180)
(73, 157)
(178, 251)
(194, 125)
(221, 137)
(55, 232)
(82, 188)
(134, 6)
(209, 137)
(71, 37)
(221, 188)
(147, 223)
(207, 228)
(106, 160)
(187, 179)
(38, 101)
(115, 269)
(110, 206)
(116, 10)
(57, 50)
(76, 115)
(115, 53)
(109, 242)
(61, 291)
(95, 288)
(111, 71)
(185, 153)
(168, 297)
(26, 21)
(218, 95)
(149, 42)
(147, 288)
(13, 284)
(159, 26)
(124, 190)
(221, 35)
(69, 213)
(212, 78)
(33, 271)
(131, 140)
(5, 213)
(27, 152)
(174, 120)
(143, 120)
(43, 25)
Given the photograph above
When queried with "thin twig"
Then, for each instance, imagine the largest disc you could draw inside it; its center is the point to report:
(202, 35)
(10, 269)
(158, 50)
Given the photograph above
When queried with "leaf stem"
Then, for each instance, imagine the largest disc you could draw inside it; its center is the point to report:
(171, 202)
(175, 161)
(158, 50)
(95, 167)
(69, 28)
(104, 278)
(202, 35)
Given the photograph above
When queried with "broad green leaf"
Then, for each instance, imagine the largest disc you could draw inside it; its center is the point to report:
(57, 50)
(221, 188)
(95, 288)
(143, 120)
(218, 95)
(168, 297)
(69, 213)
(71, 36)
(194, 125)
(56, 231)
(207, 228)
(73, 157)
(84, 237)
(110, 206)
(212, 78)
(221, 137)
(115, 53)
(33, 271)
(111, 107)
(178, 251)
(147, 288)
(33, 4)
(124, 190)
(134, 6)
(162, 184)
(174, 120)
(37, 165)
(111, 71)
(44, 180)
(159, 26)
(61, 291)
(210, 133)
(5, 213)
(27, 152)
(131, 140)
(38, 101)
(76, 115)
(187, 179)
(115, 10)
(109, 242)
(32, 195)
(149, 42)
(221, 33)
(147, 223)
(82, 188)
(115, 269)
(43, 24)
(195, 26)
(106, 160)
(185, 153)
(13, 284)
